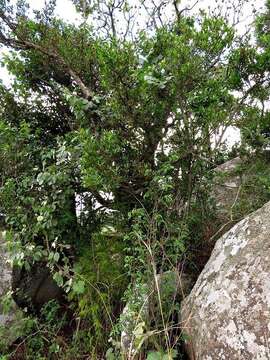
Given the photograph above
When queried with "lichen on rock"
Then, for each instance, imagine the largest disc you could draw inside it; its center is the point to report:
(227, 314)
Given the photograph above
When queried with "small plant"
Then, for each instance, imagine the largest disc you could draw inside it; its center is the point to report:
(158, 355)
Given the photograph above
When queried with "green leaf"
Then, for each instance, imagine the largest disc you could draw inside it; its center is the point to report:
(58, 278)
(155, 355)
(78, 287)
(110, 355)
(56, 256)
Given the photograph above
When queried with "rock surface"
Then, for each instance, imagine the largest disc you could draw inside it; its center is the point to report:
(227, 314)
(33, 289)
(226, 187)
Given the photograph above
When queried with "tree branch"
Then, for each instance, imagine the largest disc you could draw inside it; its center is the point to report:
(24, 44)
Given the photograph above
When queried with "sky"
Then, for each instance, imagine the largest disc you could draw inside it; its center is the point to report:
(66, 10)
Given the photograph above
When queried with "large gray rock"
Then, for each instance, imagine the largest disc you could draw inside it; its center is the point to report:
(227, 314)
(226, 186)
(226, 195)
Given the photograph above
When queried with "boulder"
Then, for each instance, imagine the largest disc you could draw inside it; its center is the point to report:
(226, 194)
(30, 290)
(234, 189)
(227, 313)
(226, 186)
(34, 288)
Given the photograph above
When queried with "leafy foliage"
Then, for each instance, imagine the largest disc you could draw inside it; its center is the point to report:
(108, 139)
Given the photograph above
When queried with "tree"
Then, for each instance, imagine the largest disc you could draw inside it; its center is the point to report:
(119, 120)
